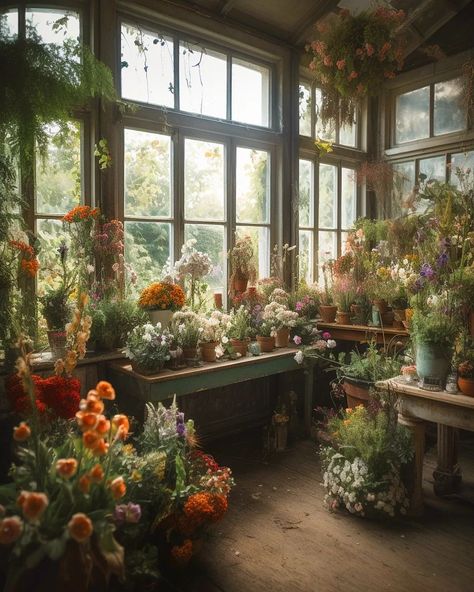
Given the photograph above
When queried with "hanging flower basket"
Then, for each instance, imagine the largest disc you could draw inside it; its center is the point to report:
(352, 58)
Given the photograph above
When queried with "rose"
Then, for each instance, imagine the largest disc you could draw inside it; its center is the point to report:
(80, 527)
(66, 467)
(32, 504)
(297, 339)
(10, 530)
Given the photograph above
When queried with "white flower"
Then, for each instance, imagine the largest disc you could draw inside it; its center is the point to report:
(225, 339)
(90, 268)
(331, 343)
(299, 357)
(147, 337)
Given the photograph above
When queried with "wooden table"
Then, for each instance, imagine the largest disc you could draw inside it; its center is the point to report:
(362, 333)
(415, 407)
(166, 384)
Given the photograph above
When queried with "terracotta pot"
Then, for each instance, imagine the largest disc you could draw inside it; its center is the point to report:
(282, 337)
(218, 299)
(466, 386)
(240, 346)
(387, 318)
(381, 305)
(328, 313)
(343, 318)
(57, 343)
(357, 392)
(160, 316)
(146, 371)
(281, 436)
(176, 361)
(240, 284)
(208, 351)
(267, 344)
(189, 353)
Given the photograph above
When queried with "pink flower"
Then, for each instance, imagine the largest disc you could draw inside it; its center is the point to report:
(297, 339)
(369, 48)
(320, 344)
(341, 64)
(353, 75)
(327, 61)
(326, 335)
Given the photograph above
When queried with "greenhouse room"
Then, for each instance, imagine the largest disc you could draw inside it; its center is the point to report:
(236, 296)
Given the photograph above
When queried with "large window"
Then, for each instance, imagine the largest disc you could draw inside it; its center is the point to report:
(328, 207)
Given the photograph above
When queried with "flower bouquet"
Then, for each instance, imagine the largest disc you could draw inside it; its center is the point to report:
(161, 299)
(147, 347)
(277, 320)
(214, 331)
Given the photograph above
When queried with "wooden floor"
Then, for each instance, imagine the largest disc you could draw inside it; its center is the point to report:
(278, 537)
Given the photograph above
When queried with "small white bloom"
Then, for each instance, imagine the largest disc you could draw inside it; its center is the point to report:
(331, 343)
(299, 357)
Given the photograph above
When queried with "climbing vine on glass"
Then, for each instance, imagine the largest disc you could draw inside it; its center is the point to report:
(353, 56)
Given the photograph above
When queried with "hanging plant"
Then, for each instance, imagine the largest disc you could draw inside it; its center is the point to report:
(42, 84)
(353, 56)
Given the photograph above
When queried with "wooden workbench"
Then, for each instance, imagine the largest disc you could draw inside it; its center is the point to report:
(363, 333)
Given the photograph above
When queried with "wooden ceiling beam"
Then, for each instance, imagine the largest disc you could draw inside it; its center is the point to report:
(226, 6)
(305, 25)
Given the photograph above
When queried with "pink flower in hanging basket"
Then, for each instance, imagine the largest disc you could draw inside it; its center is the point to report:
(341, 64)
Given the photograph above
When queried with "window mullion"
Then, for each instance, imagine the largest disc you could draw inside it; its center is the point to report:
(315, 198)
(229, 88)
(176, 56)
(178, 193)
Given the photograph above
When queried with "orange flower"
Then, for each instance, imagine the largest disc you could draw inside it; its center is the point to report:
(122, 424)
(100, 448)
(118, 488)
(103, 425)
(66, 467)
(85, 483)
(90, 439)
(10, 530)
(80, 527)
(92, 404)
(80, 213)
(87, 420)
(346, 422)
(97, 473)
(162, 296)
(105, 390)
(33, 504)
(21, 432)
(30, 266)
(184, 552)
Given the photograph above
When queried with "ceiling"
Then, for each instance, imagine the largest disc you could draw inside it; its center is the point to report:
(448, 23)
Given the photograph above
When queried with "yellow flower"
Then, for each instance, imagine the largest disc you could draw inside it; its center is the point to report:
(136, 476)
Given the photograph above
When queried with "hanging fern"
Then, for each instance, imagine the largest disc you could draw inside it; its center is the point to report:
(42, 84)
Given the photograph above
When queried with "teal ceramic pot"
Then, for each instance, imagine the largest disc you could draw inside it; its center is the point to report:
(375, 316)
(433, 362)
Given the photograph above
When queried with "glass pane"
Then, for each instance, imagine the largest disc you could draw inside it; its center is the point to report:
(50, 234)
(147, 162)
(147, 66)
(344, 245)
(250, 93)
(463, 161)
(202, 81)
(348, 135)
(305, 110)
(403, 184)
(434, 168)
(211, 239)
(147, 248)
(58, 177)
(54, 26)
(261, 243)
(327, 196)
(412, 120)
(9, 23)
(325, 130)
(327, 248)
(306, 193)
(348, 198)
(449, 115)
(204, 188)
(305, 256)
(252, 186)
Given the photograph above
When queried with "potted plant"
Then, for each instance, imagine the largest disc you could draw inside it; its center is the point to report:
(400, 305)
(466, 373)
(434, 334)
(112, 320)
(187, 329)
(214, 330)
(161, 300)
(327, 308)
(242, 264)
(344, 297)
(281, 320)
(147, 348)
(240, 330)
(266, 336)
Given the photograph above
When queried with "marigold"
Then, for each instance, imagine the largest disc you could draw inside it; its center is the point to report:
(105, 390)
(204, 507)
(97, 473)
(66, 467)
(10, 530)
(33, 504)
(183, 553)
(118, 488)
(92, 404)
(103, 425)
(80, 213)
(80, 527)
(87, 420)
(22, 432)
(162, 296)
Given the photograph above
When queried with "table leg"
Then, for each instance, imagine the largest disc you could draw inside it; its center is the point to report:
(447, 474)
(417, 428)
(308, 398)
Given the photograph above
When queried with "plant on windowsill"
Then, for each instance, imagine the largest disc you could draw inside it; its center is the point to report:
(240, 330)
(147, 347)
(466, 371)
(242, 265)
(185, 326)
(214, 332)
(344, 297)
(327, 308)
(160, 300)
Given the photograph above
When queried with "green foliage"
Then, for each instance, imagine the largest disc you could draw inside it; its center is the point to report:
(372, 365)
(434, 327)
(102, 152)
(240, 324)
(112, 320)
(374, 231)
(148, 346)
(56, 307)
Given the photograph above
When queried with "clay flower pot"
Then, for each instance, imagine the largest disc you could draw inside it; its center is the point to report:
(267, 344)
(381, 306)
(343, 318)
(208, 351)
(328, 313)
(190, 355)
(466, 386)
(357, 392)
(240, 284)
(282, 337)
(240, 346)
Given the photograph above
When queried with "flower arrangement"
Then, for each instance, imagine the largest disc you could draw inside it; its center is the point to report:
(215, 327)
(147, 346)
(321, 348)
(162, 296)
(280, 296)
(242, 264)
(55, 302)
(277, 316)
(353, 56)
(186, 328)
(362, 463)
(240, 324)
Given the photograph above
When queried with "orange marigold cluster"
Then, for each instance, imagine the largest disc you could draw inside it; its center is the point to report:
(183, 553)
(28, 262)
(80, 213)
(162, 296)
(204, 507)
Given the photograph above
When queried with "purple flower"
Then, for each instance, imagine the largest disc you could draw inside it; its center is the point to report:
(326, 335)
(62, 250)
(297, 339)
(181, 429)
(127, 513)
(427, 271)
(443, 259)
(180, 417)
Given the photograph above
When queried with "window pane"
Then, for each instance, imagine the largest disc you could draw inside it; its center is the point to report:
(252, 186)
(463, 161)
(413, 115)
(327, 248)
(58, 177)
(260, 236)
(305, 256)
(403, 184)
(147, 248)
(9, 23)
(348, 135)
(147, 161)
(348, 198)
(327, 196)
(305, 110)
(54, 26)
(325, 130)
(434, 168)
(50, 234)
(204, 180)
(147, 66)
(306, 193)
(250, 93)
(211, 239)
(449, 115)
(202, 81)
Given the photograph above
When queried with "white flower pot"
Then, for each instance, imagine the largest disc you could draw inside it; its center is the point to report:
(160, 316)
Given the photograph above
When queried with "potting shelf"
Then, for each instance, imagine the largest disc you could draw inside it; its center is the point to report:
(362, 333)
